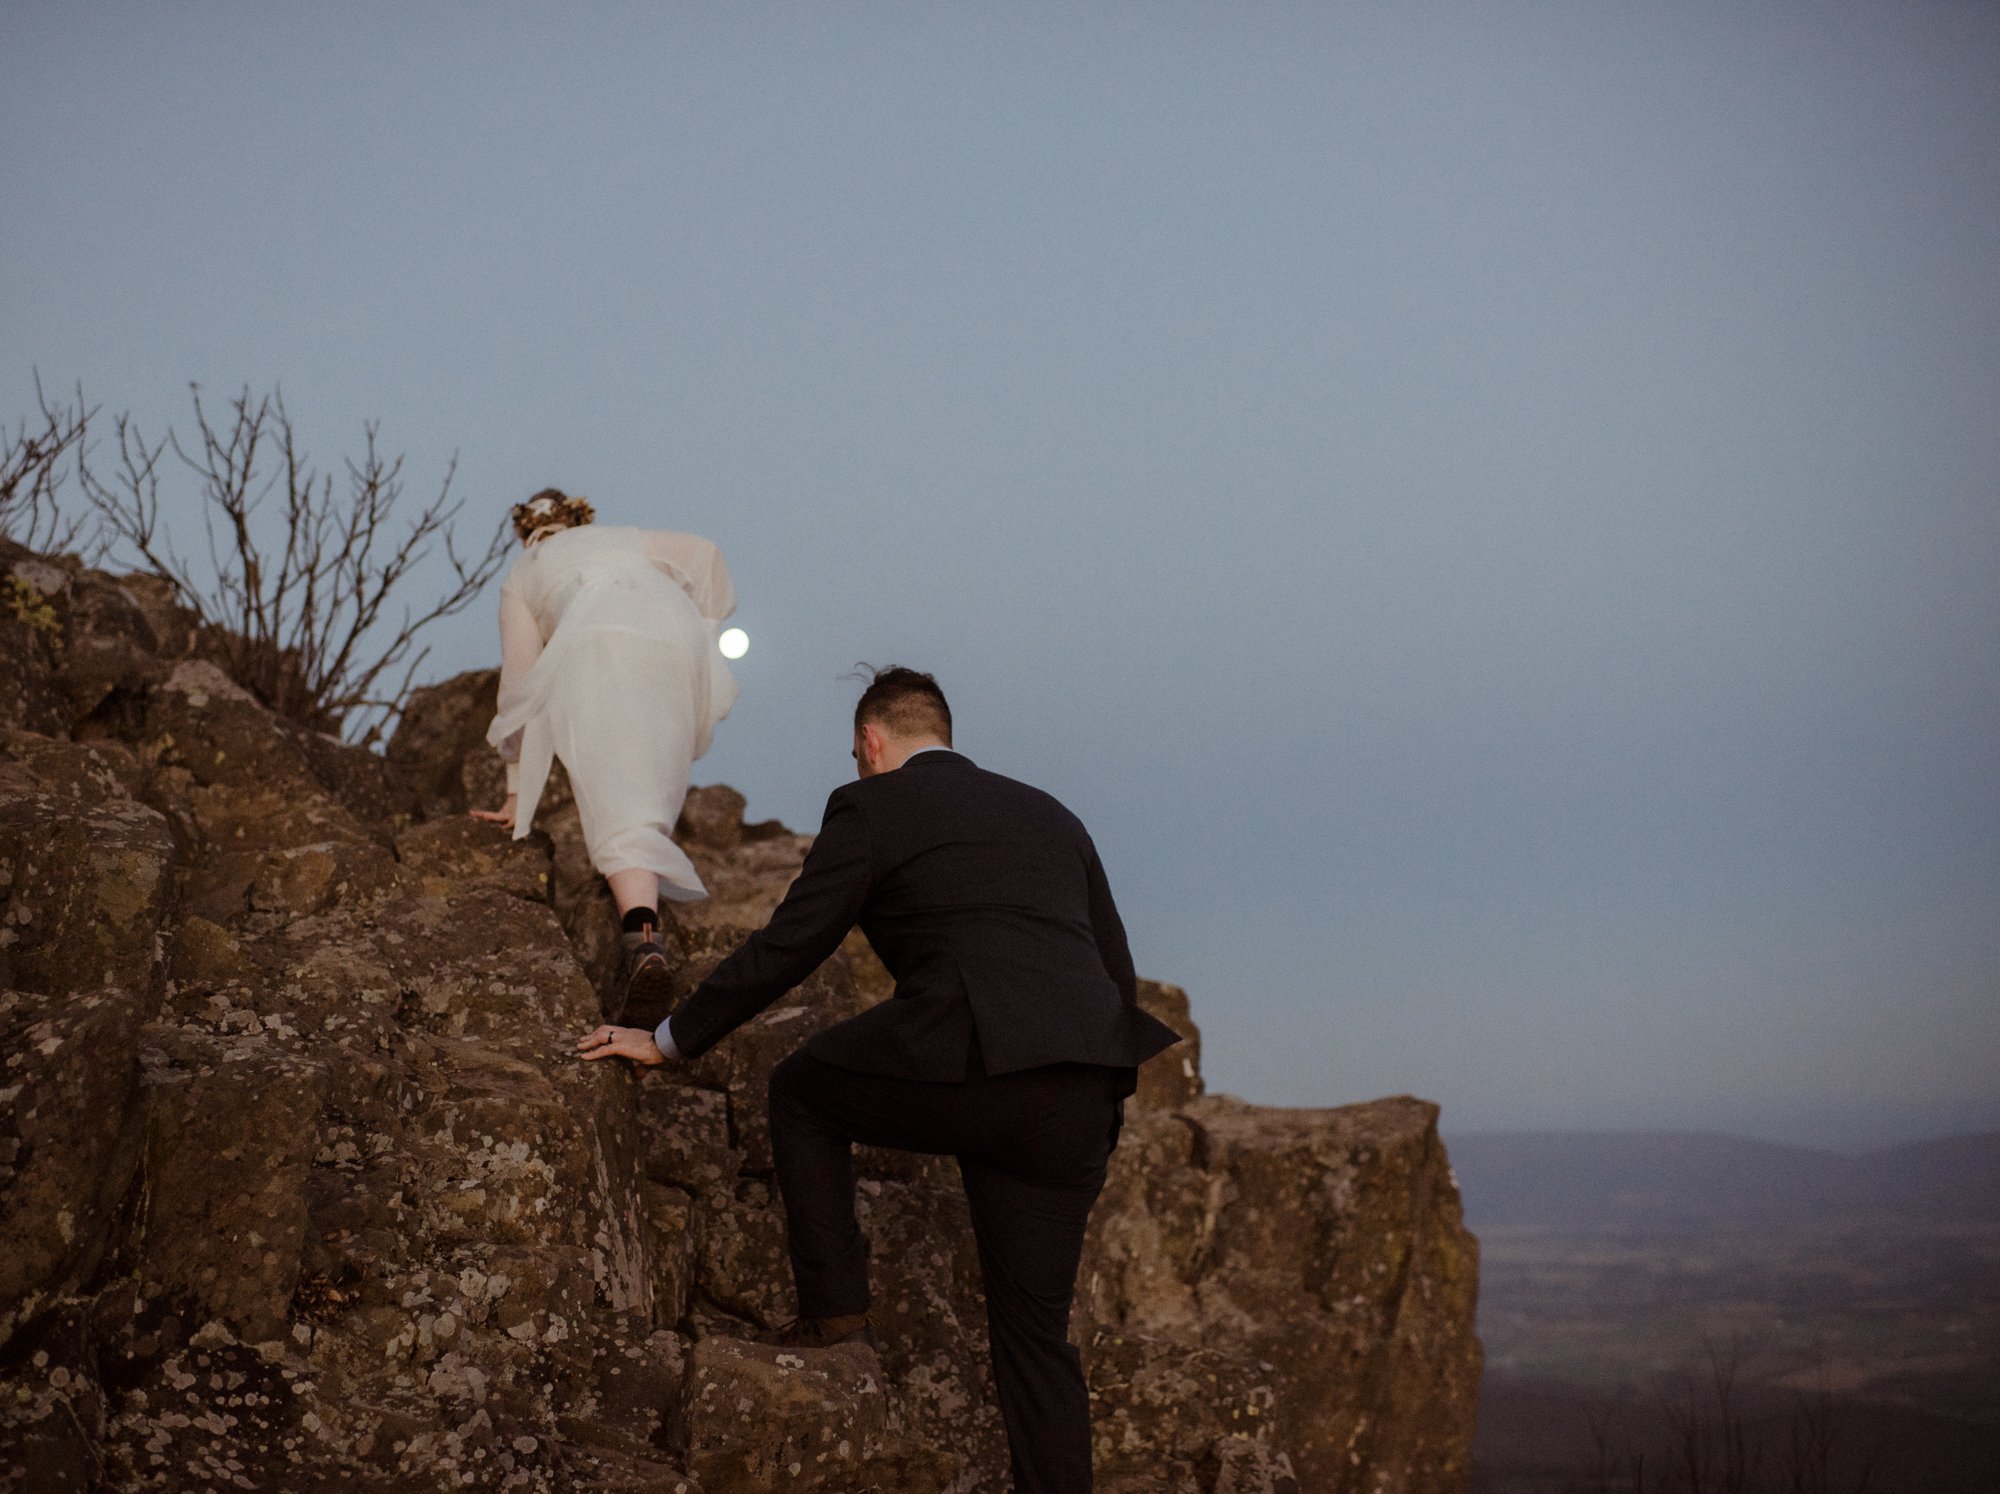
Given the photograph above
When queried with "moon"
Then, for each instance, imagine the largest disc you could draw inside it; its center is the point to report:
(734, 643)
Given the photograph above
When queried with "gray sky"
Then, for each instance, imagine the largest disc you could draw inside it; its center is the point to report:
(1490, 513)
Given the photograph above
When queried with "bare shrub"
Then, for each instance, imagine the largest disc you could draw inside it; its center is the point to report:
(1613, 1469)
(305, 603)
(1815, 1430)
(36, 460)
(1712, 1450)
(1712, 1445)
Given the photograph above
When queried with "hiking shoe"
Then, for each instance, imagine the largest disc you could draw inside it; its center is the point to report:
(825, 1333)
(649, 982)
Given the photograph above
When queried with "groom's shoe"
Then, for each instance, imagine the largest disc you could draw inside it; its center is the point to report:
(649, 982)
(826, 1333)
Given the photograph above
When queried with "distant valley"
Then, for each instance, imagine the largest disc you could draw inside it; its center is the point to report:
(1613, 1264)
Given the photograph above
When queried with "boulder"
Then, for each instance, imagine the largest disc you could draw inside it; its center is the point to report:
(78, 772)
(452, 855)
(73, 637)
(712, 817)
(671, 1251)
(85, 889)
(740, 1271)
(686, 1131)
(70, 1139)
(752, 1418)
(439, 745)
(31, 639)
(1328, 1242)
(231, 1132)
(1173, 1415)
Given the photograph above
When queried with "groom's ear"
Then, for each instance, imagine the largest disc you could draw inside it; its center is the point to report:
(871, 745)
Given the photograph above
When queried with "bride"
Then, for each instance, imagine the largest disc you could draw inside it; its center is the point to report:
(609, 662)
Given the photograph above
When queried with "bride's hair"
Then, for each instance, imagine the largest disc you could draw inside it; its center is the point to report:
(550, 510)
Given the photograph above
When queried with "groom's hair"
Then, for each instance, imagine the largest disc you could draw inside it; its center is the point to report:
(904, 701)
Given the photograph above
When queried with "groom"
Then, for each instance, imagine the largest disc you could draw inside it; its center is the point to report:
(1011, 1041)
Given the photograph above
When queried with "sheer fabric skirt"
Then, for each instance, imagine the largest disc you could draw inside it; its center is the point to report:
(626, 693)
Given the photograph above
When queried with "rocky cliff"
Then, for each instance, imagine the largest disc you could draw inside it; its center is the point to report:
(301, 1186)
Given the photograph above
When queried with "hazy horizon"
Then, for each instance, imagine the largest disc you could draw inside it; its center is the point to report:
(1861, 1151)
(1492, 517)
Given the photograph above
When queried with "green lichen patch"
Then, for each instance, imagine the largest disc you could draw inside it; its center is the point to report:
(26, 603)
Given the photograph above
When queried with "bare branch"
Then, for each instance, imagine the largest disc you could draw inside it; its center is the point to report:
(36, 461)
(296, 603)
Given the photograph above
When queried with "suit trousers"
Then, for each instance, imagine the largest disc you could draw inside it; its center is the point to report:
(1032, 1148)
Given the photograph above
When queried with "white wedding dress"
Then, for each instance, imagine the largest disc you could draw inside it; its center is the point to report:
(609, 661)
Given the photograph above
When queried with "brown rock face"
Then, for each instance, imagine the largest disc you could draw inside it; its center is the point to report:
(753, 1417)
(302, 1187)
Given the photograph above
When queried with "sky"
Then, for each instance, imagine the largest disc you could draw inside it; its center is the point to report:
(1491, 514)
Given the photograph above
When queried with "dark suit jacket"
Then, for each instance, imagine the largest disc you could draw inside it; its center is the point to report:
(985, 899)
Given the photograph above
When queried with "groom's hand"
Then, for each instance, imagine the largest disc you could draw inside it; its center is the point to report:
(635, 1043)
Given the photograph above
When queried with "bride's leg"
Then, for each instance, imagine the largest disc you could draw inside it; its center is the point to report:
(635, 887)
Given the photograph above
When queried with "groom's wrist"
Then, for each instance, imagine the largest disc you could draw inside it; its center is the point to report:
(663, 1039)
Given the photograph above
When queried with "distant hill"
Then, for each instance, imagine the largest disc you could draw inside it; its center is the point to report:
(1669, 1181)
(1952, 1178)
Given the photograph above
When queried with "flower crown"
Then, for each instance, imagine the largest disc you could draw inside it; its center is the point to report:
(550, 510)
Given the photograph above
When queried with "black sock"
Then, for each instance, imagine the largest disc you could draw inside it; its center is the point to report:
(637, 919)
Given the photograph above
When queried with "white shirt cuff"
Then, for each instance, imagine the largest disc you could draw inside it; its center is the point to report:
(663, 1039)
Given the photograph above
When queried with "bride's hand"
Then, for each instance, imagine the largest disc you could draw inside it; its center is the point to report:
(504, 815)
